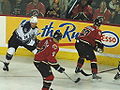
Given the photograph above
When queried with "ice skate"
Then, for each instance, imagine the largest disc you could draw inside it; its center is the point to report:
(117, 76)
(6, 68)
(94, 76)
(77, 70)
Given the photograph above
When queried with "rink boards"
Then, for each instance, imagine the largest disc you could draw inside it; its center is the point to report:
(69, 29)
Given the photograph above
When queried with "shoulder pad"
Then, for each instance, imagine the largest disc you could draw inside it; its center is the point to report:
(23, 21)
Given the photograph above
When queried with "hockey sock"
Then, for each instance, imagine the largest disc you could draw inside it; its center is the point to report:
(80, 62)
(46, 86)
(47, 82)
(8, 58)
(94, 67)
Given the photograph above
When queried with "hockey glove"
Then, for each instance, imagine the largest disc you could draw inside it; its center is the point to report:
(58, 68)
(37, 41)
(61, 69)
(99, 47)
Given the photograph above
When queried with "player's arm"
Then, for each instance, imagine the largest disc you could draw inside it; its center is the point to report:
(57, 66)
(41, 46)
(99, 47)
(53, 62)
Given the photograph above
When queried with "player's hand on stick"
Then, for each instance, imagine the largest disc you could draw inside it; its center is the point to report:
(61, 69)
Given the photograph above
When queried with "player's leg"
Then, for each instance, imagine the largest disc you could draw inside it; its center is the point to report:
(46, 73)
(94, 68)
(13, 44)
(117, 76)
(9, 56)
(79, 65)
(80, 61)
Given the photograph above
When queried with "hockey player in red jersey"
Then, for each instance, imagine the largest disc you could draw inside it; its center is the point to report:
(88, 41)
(45, 58)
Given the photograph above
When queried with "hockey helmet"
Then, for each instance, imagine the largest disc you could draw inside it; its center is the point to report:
(98, 21)
(33, 19)
(57, 35)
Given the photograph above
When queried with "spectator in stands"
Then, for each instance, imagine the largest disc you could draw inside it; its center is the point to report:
(63, 4)
(23, 6)
(116, 18)
(46, 3)
(82, 11)
(0, 6)
(95, 4)
(12, 3)
(35, 8)
(17, 10)
(52, 1)
(102, 11)
(54, 12)
(113, 5)
(18, 6)
(6, 7)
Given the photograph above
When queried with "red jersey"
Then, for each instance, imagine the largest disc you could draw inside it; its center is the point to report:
(89, 34)
(87, 10)
(106, 14)
(39, 7)
(47, 51)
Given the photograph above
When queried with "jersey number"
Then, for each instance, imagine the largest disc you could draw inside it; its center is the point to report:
(85, 32)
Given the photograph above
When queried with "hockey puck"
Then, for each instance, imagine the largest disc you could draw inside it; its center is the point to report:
(77, 80)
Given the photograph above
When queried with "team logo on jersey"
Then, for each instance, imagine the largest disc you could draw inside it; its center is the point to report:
(109, 39)
(54, 46)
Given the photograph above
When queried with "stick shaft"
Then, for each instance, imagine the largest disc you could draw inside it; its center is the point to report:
(68, 76)
(108, 70)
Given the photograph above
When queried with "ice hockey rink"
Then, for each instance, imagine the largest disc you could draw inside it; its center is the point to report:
(24, 76)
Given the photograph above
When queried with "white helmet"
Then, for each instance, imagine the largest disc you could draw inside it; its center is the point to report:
(33, 19)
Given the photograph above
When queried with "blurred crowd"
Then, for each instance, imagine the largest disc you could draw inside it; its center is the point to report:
(83, 10)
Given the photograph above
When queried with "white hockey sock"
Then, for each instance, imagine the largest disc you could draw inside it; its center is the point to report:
(7, 61)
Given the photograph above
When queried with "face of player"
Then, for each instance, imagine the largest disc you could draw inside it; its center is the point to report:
(33, 25)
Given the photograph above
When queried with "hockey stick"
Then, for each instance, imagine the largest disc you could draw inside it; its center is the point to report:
(108, 70)
(111, 69)
(76, 81)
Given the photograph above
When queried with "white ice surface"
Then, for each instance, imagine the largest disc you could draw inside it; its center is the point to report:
(24, 76)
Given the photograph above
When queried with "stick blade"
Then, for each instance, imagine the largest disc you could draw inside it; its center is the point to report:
(77, 80)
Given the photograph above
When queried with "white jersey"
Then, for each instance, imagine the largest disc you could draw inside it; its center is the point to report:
(26, 34)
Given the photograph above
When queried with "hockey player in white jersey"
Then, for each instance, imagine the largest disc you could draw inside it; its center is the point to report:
(24, 35)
